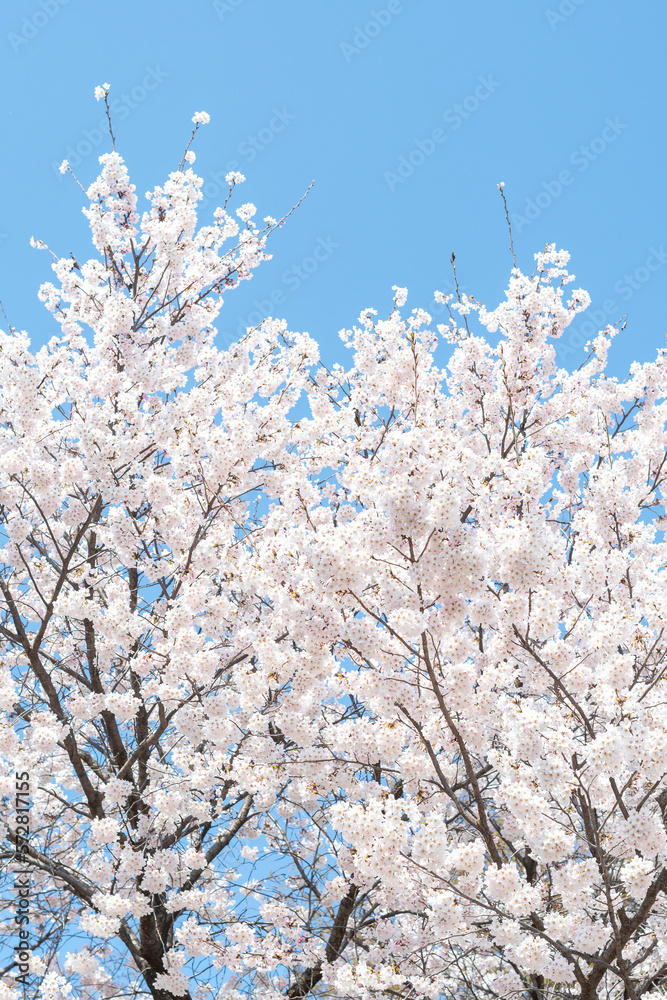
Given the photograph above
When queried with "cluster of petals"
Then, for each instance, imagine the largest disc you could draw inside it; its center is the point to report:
(369, 693)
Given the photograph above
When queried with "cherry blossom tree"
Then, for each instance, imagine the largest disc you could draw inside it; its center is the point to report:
(364, 702)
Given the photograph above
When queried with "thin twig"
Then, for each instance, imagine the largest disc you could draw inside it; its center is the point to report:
(501, 188)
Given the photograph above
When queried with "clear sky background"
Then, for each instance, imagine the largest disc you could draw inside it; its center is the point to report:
(405, 113)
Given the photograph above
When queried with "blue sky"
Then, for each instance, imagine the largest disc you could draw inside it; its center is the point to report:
(405, 113)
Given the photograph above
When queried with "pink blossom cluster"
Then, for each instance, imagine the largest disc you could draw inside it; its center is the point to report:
(369, 702)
